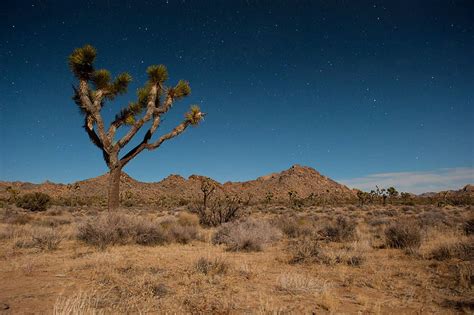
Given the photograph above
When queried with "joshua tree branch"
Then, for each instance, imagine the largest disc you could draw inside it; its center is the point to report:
(106, 141)
(175, 132)
(139, 123)
(89, 127)
(151, 146)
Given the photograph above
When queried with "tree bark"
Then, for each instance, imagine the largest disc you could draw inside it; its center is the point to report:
(114, 188)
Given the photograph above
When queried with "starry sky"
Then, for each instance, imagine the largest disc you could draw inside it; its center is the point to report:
(354, 89)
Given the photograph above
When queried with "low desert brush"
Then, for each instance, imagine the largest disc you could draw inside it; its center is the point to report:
(248, 235)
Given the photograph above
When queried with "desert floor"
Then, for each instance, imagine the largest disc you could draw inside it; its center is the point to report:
(339, 260)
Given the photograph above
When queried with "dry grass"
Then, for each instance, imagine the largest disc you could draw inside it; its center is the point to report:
(121, 229)
(276, 261)
(295, 283)
(403, 235)
(249, 235)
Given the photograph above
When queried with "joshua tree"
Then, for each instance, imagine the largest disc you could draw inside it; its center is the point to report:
(392, 192)
(207, 188)
(95, 87)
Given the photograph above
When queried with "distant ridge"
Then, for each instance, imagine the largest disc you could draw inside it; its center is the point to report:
(302, 181)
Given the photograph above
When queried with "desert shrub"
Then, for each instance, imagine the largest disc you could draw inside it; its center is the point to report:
(433, 218)
(341, 230)
(188, 219)
(309, 250)
(469, 227)
(46, 239)
(248, 235)
(305, 250)
(41, 238)
(294, 228)
(462, 249)
(13, 217)
(183, 233)
(403, 235)
(354, 260)
(120, 229)
(107, 230)
(378, 222)
(52, 222)
(34, 201)
(147, 233)
(218, 212)
(209, 266)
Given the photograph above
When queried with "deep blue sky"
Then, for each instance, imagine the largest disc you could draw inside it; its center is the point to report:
(351, 88)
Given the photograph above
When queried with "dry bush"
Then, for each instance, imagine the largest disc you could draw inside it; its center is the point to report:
(111, 229)
(293, 227)
(52, 222)
(306, 250)
(341, 230)
(248, 235)
(460, 249)
(309, 250)
(433, 218)
(184, 234)
(120, 229)
(188, 219)
(46, 239)
(144, 232)
(208, 266)
(468, 227)
(41, 238)
(14, 231)
(11, 216)
(54, 211)
(403, 235)
(219, 211)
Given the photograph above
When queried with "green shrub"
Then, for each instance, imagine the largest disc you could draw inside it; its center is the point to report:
(34, 201)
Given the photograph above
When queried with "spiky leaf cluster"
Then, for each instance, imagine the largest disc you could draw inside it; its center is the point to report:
(121, 83)
(194, 116)
(128, 114)
(102, 81)
(81, 61)
(157, 74)
(182, 89)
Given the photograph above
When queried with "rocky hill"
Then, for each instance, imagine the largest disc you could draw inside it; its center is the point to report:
(299, 181)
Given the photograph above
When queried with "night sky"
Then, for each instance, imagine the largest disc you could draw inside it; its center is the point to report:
(356, 89)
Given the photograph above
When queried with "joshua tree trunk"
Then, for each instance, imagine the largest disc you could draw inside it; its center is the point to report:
(114, 188)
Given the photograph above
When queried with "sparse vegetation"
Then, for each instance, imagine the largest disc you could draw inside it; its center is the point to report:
(151, 261)
(403, 235)
(249, 235)
(342, 230)
(207, 266)
(34, 201)
(120, 229)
